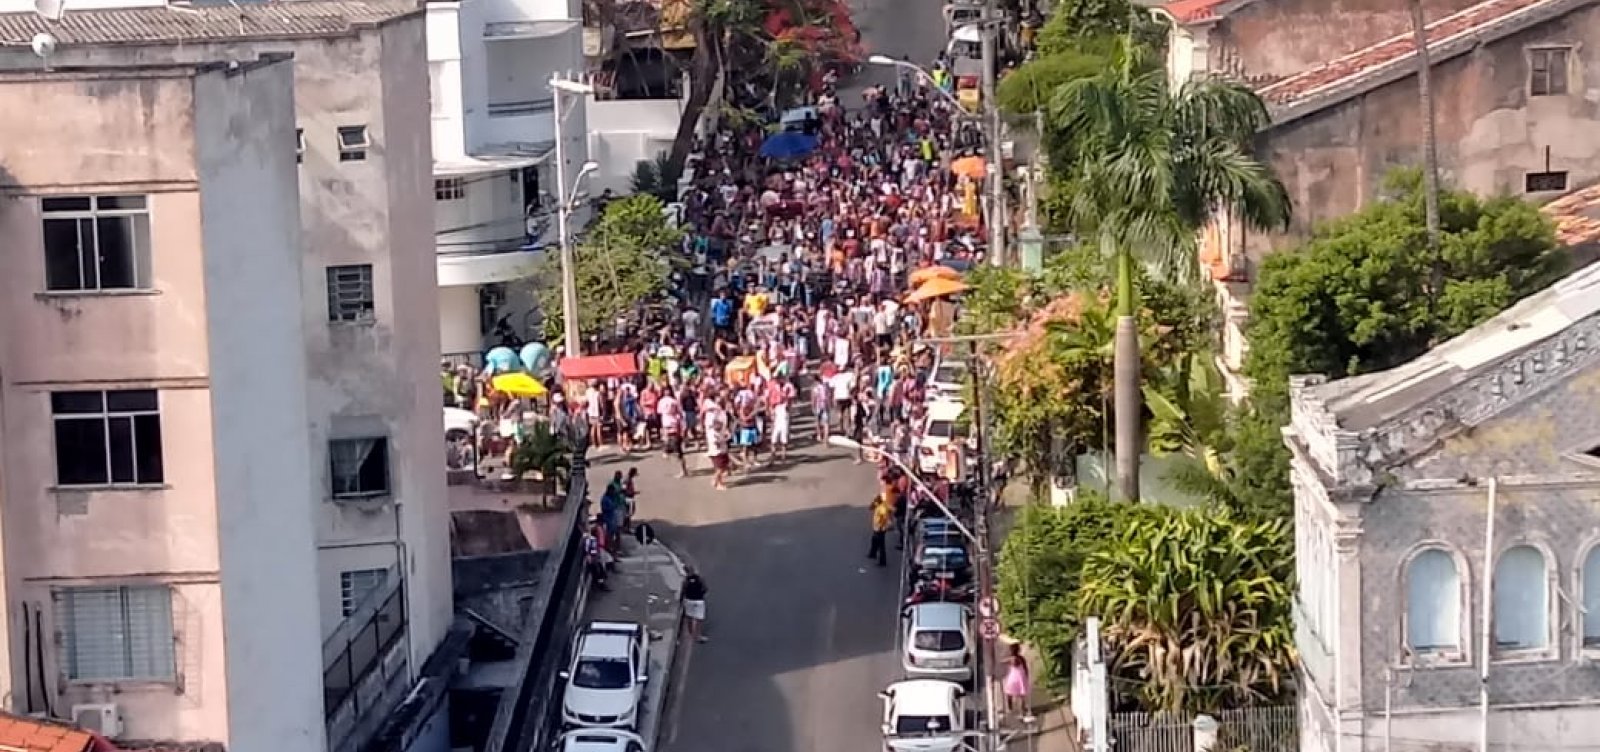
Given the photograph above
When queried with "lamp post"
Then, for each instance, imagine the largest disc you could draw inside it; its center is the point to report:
(569, 286)
(844, 442)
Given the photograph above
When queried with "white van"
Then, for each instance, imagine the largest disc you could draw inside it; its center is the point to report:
(965, 42)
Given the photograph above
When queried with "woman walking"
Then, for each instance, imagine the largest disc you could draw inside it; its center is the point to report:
(1018, 684)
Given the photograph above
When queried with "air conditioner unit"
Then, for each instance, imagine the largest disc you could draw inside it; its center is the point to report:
(103, 718)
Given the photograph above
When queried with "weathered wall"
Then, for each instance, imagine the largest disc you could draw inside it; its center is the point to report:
(1276, 38)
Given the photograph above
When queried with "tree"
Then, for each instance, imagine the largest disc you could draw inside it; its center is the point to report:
(1073, 21)
(1149, 167)
(541, 451)
(1028, 88)
(621, 263)
(1196, 608)
(656, 177)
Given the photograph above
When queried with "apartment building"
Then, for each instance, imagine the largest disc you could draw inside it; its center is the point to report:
(365, 305)
(494, 156)
(155, 468)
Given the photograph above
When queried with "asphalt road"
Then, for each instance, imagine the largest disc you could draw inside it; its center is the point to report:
(801, 624)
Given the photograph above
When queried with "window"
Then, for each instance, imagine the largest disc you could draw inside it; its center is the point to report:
(94, 243)
(116, 633)
(350, 293)
(1591, 598)
(353, 143)
(360, 467)
(449, 189)
(1433, 603)
(1547, 71)
(107, 438)
(1538, 182)
(299, 145)
(1521, 600)
(357, 585)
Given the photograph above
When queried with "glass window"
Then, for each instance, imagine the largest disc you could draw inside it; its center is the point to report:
(357, 585)
(1433, 603)
(95, 243)
(1591, 598)
(116, 633)
(1521, 600)
(107, 438)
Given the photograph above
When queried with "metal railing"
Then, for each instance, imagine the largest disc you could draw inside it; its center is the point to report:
(525, 107)
(1264, 729)
(365, 660)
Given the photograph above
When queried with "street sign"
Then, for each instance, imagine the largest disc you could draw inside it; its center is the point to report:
(990, 629)
(645, 534)
(988, 607)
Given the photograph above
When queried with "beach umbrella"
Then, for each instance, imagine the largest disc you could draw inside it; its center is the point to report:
(502, 359)
(518, 385)
(926, 273)
(938, 287)
(535, 357)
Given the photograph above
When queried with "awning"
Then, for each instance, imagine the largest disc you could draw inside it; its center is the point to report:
(599, 366)
(505, 31)
(497, 159)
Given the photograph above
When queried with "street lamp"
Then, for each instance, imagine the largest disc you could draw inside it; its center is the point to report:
(961, 110)
(847, 443)
(569, 285)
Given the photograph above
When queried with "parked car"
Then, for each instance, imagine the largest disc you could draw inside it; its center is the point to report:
(937, 641)
(923, 715)
(605, 681)
(949, 563)
(938, 430)
(599, 740)
(947, 381)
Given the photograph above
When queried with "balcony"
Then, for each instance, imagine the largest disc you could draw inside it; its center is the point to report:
(520, 121)
(366, 668)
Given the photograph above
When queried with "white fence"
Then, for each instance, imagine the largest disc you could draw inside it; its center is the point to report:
(1264, 729)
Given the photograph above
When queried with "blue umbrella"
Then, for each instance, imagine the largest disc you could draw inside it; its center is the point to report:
(788, 145)
(536, 357)
(502, 360)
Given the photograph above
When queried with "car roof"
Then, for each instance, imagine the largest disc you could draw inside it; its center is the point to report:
(938, 616)
(597, 740)
(924, 696)
(945, 410)
(605, 643)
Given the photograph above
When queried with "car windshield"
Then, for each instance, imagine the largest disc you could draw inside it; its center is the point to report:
(938, 640)
(949, 373)
(910, 725)
(602, 673)
(944, 558)
(942, 429)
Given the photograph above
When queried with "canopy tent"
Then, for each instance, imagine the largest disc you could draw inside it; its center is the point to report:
(919, 276)
(599, 366)
(518, 385)
(535, 357)
(788, 145)
(938, 287)
(970, 167)
(501, 360)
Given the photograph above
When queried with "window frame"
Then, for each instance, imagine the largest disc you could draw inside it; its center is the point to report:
(449, 189)
(299, 145)
(356, 149)
(1552, 74)
(105, 416)
(141, 259)
(1530, 178)
(1551, 646)
(348, 582)
(364, 311)
(68, 658)
(1462, 653)
(360, 494)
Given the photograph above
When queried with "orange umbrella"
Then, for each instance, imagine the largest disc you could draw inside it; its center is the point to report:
(969, 167)
(938, 287)
(931, 272)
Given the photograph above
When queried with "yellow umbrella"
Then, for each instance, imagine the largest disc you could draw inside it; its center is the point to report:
(938, 287)
(518, 385)
(969, 167)
(931, 272)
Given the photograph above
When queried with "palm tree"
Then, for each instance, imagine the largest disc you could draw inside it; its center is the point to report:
(542, 451)
(1148, 167)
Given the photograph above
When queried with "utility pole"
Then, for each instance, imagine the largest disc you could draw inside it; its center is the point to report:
(980, 521)
(564, 199)
(990, 29)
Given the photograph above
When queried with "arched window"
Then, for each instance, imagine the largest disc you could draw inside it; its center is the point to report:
(1591, 598)
(1433, 603)
(1521, 600)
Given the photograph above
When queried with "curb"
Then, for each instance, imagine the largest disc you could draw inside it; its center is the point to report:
(654, 713)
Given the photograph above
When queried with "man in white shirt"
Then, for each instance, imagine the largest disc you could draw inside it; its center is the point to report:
(691, 324)
(844, 389)
(717, 431)
(672, 429)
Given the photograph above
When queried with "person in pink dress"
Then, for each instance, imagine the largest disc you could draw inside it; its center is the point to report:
(1017, 684)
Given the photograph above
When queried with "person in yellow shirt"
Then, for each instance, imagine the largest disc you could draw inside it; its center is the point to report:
(882, 521)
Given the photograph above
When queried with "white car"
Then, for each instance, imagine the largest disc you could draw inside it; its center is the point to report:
(923, 715)
(948, 381)
(599, 740)
(937, 645)
(937, 431)
(606, 678)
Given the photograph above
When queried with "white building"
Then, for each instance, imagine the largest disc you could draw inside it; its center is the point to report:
(494, 138)
(375, 501)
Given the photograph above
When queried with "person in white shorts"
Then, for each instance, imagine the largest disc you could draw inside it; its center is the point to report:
(694, 603)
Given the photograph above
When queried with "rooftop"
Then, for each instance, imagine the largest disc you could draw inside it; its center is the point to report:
(36, 735)
(276, 19)
(1368, 68)
(1194, 11)
(1577, 216)
(1371, 400)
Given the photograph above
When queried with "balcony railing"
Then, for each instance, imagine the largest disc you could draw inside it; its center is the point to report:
(519, 109)
(365, 663)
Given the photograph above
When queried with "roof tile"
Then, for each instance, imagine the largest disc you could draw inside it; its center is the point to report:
(1192, 11)
(156, 24)
(40, 735)
(1364, 62)
(1577, 216)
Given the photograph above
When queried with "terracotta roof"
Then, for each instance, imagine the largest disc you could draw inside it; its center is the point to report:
(278, 19)
(1577, 216)
(1192, 11)
(36, 735)
(170, 747)
(1447, 36)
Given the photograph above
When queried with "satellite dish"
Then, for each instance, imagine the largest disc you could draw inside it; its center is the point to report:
(44, 45)
(50, 9)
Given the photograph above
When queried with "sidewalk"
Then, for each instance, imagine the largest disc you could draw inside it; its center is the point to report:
(1053, 729)
(644, 589)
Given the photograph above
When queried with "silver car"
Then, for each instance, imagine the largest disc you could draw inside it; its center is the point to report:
(938, 642)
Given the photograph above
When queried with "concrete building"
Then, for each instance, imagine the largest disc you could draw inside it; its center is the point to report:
(1447, 521)
(1513, 113)
(494, 172)
(365, 303)
(159, 558)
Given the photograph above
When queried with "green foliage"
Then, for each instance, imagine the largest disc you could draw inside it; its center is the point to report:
(1365, 294)
(622, 262)
(1028, 88)
(1072, 21)
(1196, 608)
(541, 451)
(656, 177)
(1038, 571)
